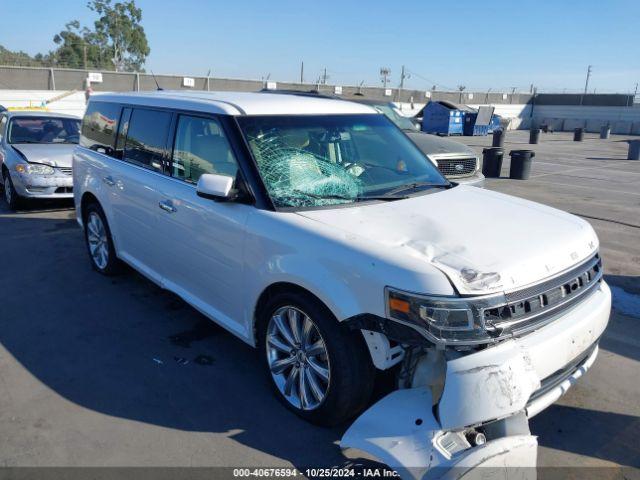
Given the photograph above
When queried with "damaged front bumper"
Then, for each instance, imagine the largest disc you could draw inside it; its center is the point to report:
(494, 392)
(59, 185)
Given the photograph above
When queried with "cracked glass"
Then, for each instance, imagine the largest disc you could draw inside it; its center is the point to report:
(322, 160)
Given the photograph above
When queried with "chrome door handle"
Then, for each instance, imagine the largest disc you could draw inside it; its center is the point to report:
(167, 206)
(109, 181)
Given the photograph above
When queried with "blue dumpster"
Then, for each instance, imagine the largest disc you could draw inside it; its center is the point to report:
(442, 118)
(477, 122)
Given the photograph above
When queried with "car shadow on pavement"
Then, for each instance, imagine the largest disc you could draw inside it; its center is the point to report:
(123, 347)
(604, 435)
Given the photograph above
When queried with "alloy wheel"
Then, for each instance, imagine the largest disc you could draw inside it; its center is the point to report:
(97, 240)
(8, 194)
(298, 358)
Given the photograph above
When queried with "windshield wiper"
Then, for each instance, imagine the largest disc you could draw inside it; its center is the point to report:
(386, 198)
(414, 186)
(323, 197)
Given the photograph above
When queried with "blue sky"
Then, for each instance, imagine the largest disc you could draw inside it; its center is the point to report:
(496, 44)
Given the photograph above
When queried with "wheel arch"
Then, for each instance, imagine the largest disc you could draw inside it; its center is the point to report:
(287, 286)
(87, 199)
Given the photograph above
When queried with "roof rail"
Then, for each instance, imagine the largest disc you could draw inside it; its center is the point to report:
(301, 93)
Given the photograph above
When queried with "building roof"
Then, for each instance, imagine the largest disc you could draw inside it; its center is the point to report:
(239, 103)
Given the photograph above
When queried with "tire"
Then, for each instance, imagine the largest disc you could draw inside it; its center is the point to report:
(11, 197)
(346, 389)
(97, 237)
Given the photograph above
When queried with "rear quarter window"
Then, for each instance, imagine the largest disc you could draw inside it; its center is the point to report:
(99, 126)
(147, 134)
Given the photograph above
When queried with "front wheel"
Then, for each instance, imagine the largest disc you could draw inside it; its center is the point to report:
(13, 199)
(319, 369)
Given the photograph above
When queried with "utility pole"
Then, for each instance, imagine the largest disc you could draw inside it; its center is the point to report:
(324, 76)
(586, 83)
(635, 93)
(84, 55)
(403, 75)
(385, 73)
(302, 72)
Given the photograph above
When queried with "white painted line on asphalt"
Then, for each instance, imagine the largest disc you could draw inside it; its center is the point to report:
(608, 190)
(583, 169)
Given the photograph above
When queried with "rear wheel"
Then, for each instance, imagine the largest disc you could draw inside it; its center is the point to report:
(319, 369)
(13, 199)
(99, 242)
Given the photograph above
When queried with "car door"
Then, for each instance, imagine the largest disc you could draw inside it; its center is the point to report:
(203, 240)
(135, 180)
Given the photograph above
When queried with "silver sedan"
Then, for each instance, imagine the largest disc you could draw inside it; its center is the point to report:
(36, 154)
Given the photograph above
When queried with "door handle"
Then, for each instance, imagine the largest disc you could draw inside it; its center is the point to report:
(167, 206)
(109, 181)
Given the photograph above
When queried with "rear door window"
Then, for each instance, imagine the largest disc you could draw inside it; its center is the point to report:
(147, 138)
(99, 126)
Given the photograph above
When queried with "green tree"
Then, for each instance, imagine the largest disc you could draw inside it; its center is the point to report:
(119, 34)
(117, 42)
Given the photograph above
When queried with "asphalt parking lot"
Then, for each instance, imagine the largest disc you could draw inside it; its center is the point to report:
(99, 371)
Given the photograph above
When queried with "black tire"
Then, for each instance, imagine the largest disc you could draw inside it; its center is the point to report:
(11, 197)
(113, 265)
(352, 373)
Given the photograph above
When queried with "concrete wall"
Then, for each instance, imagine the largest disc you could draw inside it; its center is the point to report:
(623, 120)
(35, 78)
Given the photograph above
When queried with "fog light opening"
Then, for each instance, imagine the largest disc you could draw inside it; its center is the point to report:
(476, 438)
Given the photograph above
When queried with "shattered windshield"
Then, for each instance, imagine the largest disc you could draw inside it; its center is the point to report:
(319, 160)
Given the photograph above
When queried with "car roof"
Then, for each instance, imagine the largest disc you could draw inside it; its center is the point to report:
(238, 103)
(38, 113)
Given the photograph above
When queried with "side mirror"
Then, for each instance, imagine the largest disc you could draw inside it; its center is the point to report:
(216, 187)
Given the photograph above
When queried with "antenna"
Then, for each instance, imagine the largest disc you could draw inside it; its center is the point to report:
(156, 80)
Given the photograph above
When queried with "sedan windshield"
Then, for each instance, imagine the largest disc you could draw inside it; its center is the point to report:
(43, 130)
(318, 160)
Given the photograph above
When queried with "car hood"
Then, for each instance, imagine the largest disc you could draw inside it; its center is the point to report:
(434, 145)
(56, 155)
(485, 242)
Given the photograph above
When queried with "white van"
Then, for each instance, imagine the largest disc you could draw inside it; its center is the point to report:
(315, 230)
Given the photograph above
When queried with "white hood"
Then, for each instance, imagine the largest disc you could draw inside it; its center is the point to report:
(54, 154)
(484, 241)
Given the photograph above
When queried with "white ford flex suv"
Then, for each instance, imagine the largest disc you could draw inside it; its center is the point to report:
(316, 231)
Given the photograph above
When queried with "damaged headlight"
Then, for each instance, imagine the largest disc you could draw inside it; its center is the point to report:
(444, 320)
(34, 169)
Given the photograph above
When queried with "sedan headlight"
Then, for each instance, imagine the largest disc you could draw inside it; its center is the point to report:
(34, 169)
(444, 320)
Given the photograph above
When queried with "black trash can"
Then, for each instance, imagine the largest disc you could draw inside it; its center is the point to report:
(578, 134)
(605, 131)
(534, 135)
(492, 162)
(634, 150)
(521, 164)
(498, 138)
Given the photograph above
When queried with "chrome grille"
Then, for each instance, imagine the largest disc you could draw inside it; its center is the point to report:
(457, 167)
(527, 308)
(66, 170)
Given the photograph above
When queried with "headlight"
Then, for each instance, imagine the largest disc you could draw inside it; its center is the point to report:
(34, 169)
(444, 320)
